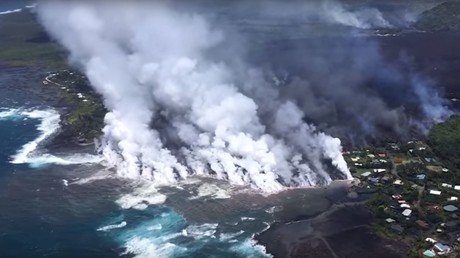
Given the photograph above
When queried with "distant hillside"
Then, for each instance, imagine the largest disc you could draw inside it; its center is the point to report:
(444, 139)
(445, 16)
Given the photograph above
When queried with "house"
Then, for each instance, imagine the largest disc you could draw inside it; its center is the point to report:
(404, 205)
(407, 212)
(452, 199)
(450, 208)
(446, 185)
(422, 224)
(397, 228)
(374, 180)
(390, 220)
(396, 196)
(441, 248)
(435, 192)
(429, 253)
(421, 176)
(398, 182)
(366, 174)
(431, 240)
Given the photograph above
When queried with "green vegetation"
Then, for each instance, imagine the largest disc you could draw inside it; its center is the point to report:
(24, 43)
(444, 139)
(445, 16)
(86, 118)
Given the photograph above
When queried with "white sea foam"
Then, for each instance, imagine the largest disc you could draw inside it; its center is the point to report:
(11, 11)
(146, 248)
(48, 127)
(211, 191)
(74, 159)
(155, 227)
(201, 231)
(114, 226)
(229, 236)
(250, 248)
(141, 197)
(247, 219)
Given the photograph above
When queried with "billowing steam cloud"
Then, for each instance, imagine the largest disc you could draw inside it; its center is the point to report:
(184, 99)
(174, 111)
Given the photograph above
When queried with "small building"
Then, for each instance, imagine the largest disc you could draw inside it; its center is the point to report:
(441, 248)
(444, 170)
(379, 170)
(435, 192)
(398, 182)
(397, 228)
(457, 187)
(366, 174)
(407, 212)
(446, 185)
(421, 176)
(452, 199)
(390, 220)
(450, 208)
(396, 196)
(382, 155)
(430, 240)
(429, 253)
(371, 156)
(422, 224)
(404, 205)
(355, 159)
(374, 180)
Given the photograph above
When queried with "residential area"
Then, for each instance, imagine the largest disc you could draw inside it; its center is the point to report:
(413, 195)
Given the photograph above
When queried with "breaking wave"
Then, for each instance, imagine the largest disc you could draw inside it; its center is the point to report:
(49, 125)
(114, 226)
(168, 234)
(11, 11)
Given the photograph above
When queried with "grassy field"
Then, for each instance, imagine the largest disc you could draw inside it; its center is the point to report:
(24, 42)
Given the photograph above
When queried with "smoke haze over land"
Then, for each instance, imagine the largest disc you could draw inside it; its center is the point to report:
(188, 95)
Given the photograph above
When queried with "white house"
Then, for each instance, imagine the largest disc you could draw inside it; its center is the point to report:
(407, 212)
(435, 192)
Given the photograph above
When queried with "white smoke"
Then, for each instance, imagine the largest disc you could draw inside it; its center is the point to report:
(364, 18)
(149, 62)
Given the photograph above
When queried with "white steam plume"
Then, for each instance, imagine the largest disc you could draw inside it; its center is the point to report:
(150, 63)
